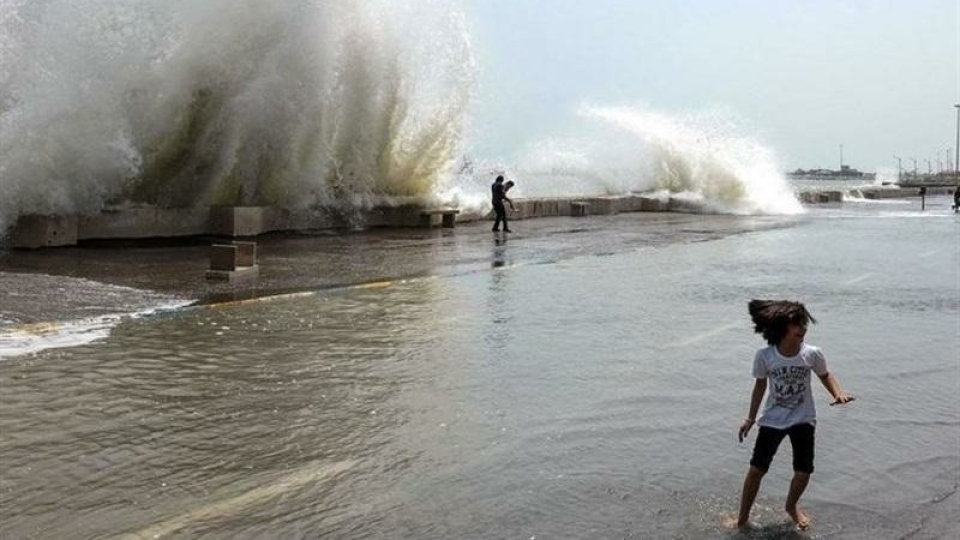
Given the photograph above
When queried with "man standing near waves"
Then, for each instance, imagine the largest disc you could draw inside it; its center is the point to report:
(499, 195)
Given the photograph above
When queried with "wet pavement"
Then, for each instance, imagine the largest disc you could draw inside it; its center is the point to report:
(311, 261)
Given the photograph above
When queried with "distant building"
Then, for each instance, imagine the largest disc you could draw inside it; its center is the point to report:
(845, 173)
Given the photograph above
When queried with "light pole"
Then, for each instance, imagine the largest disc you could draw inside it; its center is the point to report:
(956, 148)
(914, 160)
(899, 167)
(929, 167)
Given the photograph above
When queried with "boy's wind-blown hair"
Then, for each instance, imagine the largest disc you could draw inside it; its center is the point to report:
(772, 317)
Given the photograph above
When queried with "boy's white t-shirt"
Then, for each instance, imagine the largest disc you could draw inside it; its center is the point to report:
(789, 393)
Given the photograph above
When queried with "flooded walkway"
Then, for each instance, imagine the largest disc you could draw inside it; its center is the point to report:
(583, 380)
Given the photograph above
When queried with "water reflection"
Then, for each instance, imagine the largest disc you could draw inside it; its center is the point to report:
(499, 251)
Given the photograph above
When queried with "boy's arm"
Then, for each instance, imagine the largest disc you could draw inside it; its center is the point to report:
(759, 388)
(832, 384)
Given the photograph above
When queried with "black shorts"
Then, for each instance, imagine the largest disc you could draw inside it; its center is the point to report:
(768, 440)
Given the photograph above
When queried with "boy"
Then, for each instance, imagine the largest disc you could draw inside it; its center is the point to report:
(506, 193)
(784, 368)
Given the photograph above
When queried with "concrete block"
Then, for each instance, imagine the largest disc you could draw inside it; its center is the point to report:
(526, 209)
(426, 221)
(887, 193)
(446, 217)
(652, 204)
(679, 205)
(450, 220)
(303, 219)
(224, 258)
(556, 207)
(36, 231)
(240, 274)
(823, 197)
(630, 203)
(395, 216)
(144, 222)
(246, 253)
(523, 209)
(603, 206)
(579, 209)
(240, 220)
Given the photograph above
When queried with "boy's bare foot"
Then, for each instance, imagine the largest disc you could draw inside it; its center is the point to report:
(800, 518)
(732, 523)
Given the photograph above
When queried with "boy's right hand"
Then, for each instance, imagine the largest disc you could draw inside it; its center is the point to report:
(745, 429)
(842, 399)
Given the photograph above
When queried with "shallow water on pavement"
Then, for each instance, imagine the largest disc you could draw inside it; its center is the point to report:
(596, 396)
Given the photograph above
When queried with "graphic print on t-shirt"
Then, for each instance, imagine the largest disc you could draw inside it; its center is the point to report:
(789, 385)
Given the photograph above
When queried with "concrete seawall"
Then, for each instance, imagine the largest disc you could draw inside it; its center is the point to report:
(141, 222)
(871, 193)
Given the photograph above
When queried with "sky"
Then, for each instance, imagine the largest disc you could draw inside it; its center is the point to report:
(877, 76)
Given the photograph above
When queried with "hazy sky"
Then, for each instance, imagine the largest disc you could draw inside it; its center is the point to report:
(879, 76)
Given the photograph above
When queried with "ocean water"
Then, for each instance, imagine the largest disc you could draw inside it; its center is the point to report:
(307, 103)
(590, 394)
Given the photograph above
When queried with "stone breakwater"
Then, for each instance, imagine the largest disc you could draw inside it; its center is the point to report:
(142, 222)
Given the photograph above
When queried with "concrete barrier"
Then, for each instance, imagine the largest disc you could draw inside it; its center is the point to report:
(653, 204)
(444, 217)
(537, 208)
(604, 206)
(246, 254)
(236, 221)
(682, 206)
(233, 262)
(133, 222)
(630, 203)
(223, 258)
(36, 231)
(144, 222)
(868, 192)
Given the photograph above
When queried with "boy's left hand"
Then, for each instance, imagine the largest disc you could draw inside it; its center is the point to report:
(842, 399)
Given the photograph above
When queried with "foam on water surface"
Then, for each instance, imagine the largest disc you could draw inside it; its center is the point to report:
(40, 312)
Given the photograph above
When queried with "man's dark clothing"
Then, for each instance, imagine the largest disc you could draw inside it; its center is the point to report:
(499, 193)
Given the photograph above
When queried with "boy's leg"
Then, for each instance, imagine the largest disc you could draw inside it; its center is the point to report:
(768, 440)
(797, 487)
(802, 441)
(751, 486)
(499, 214)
